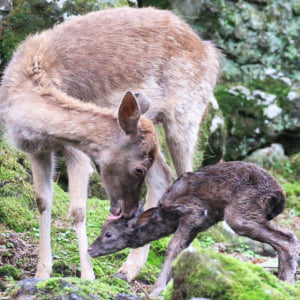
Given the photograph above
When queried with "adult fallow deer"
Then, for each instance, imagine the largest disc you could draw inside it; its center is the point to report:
(57, 78)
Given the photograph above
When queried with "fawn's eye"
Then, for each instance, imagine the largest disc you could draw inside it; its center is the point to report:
(139, 171)
(108, 234)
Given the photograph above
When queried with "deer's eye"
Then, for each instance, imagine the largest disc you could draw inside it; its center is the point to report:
(139, 171)
(108, 234)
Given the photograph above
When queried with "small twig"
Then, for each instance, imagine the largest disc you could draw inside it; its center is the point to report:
(57, 178)
(143, 290)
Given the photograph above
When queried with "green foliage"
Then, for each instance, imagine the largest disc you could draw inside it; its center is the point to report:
(10, 271)
(163, 4)
(293, 195)
(80, 7)
(294, 166)
(29, 17)
(26, 18)
(251, 35)
(211, 275)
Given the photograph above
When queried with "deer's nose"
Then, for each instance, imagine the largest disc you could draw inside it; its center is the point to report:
(116, 208)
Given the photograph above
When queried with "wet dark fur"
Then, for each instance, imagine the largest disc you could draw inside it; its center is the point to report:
(241, 193)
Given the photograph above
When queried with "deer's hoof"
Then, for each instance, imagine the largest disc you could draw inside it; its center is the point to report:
(121, 276)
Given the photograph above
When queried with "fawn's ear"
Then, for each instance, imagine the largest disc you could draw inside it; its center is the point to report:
(145, 216)
(129, 114)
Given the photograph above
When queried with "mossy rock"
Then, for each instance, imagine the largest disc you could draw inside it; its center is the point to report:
(68, 288)
(249, 33)
(216, 234)
(256, 115)
(212, 275)
(269, 157)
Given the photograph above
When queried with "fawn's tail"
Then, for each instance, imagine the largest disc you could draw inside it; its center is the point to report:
(276, 205)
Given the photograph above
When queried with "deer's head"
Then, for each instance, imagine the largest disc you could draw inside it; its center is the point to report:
(125, 162)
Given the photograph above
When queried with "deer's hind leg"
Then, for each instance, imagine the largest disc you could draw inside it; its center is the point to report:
(42, 170)
(285, 243)
(79, 169)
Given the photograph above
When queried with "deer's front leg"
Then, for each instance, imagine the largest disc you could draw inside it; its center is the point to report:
(158, 180)
(79, 168)
(181, 239)
(42, 168)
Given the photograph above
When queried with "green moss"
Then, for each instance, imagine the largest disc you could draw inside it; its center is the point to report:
(10, 271)
(295, 166)
(164, 4)
(16, 214)
(17, 198)
(249, 33)
(2, 286)
(15, 174)
(208, 274)
(293, 194)
(58, 288)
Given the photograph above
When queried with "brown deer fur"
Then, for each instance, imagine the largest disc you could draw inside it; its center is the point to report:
(57, 80)
(244, 195)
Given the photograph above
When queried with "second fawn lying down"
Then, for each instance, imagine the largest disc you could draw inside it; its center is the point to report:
(242, 194)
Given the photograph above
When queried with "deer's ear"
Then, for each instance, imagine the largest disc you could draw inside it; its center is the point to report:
(143, 101)
(129, 114)
(145, 216)
(140, 209)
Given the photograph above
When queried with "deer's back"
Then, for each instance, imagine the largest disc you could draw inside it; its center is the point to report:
(98, 56)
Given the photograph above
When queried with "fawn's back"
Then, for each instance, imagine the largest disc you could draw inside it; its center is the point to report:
(242, 185)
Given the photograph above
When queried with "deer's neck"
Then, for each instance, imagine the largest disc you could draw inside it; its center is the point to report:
(161, 224)
(83, 125)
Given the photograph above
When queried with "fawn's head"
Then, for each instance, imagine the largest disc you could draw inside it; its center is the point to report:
(115, 235)
(125, 162)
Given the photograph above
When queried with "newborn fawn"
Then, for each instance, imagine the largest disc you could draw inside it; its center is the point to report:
(242, 194)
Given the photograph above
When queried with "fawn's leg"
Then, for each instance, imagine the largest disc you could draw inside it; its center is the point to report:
(285, 243)
(181, 240)
(158, 180)
(190, 225)
(79, 169)
(42, 169)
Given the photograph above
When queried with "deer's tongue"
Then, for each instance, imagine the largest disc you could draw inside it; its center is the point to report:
(112, 217)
